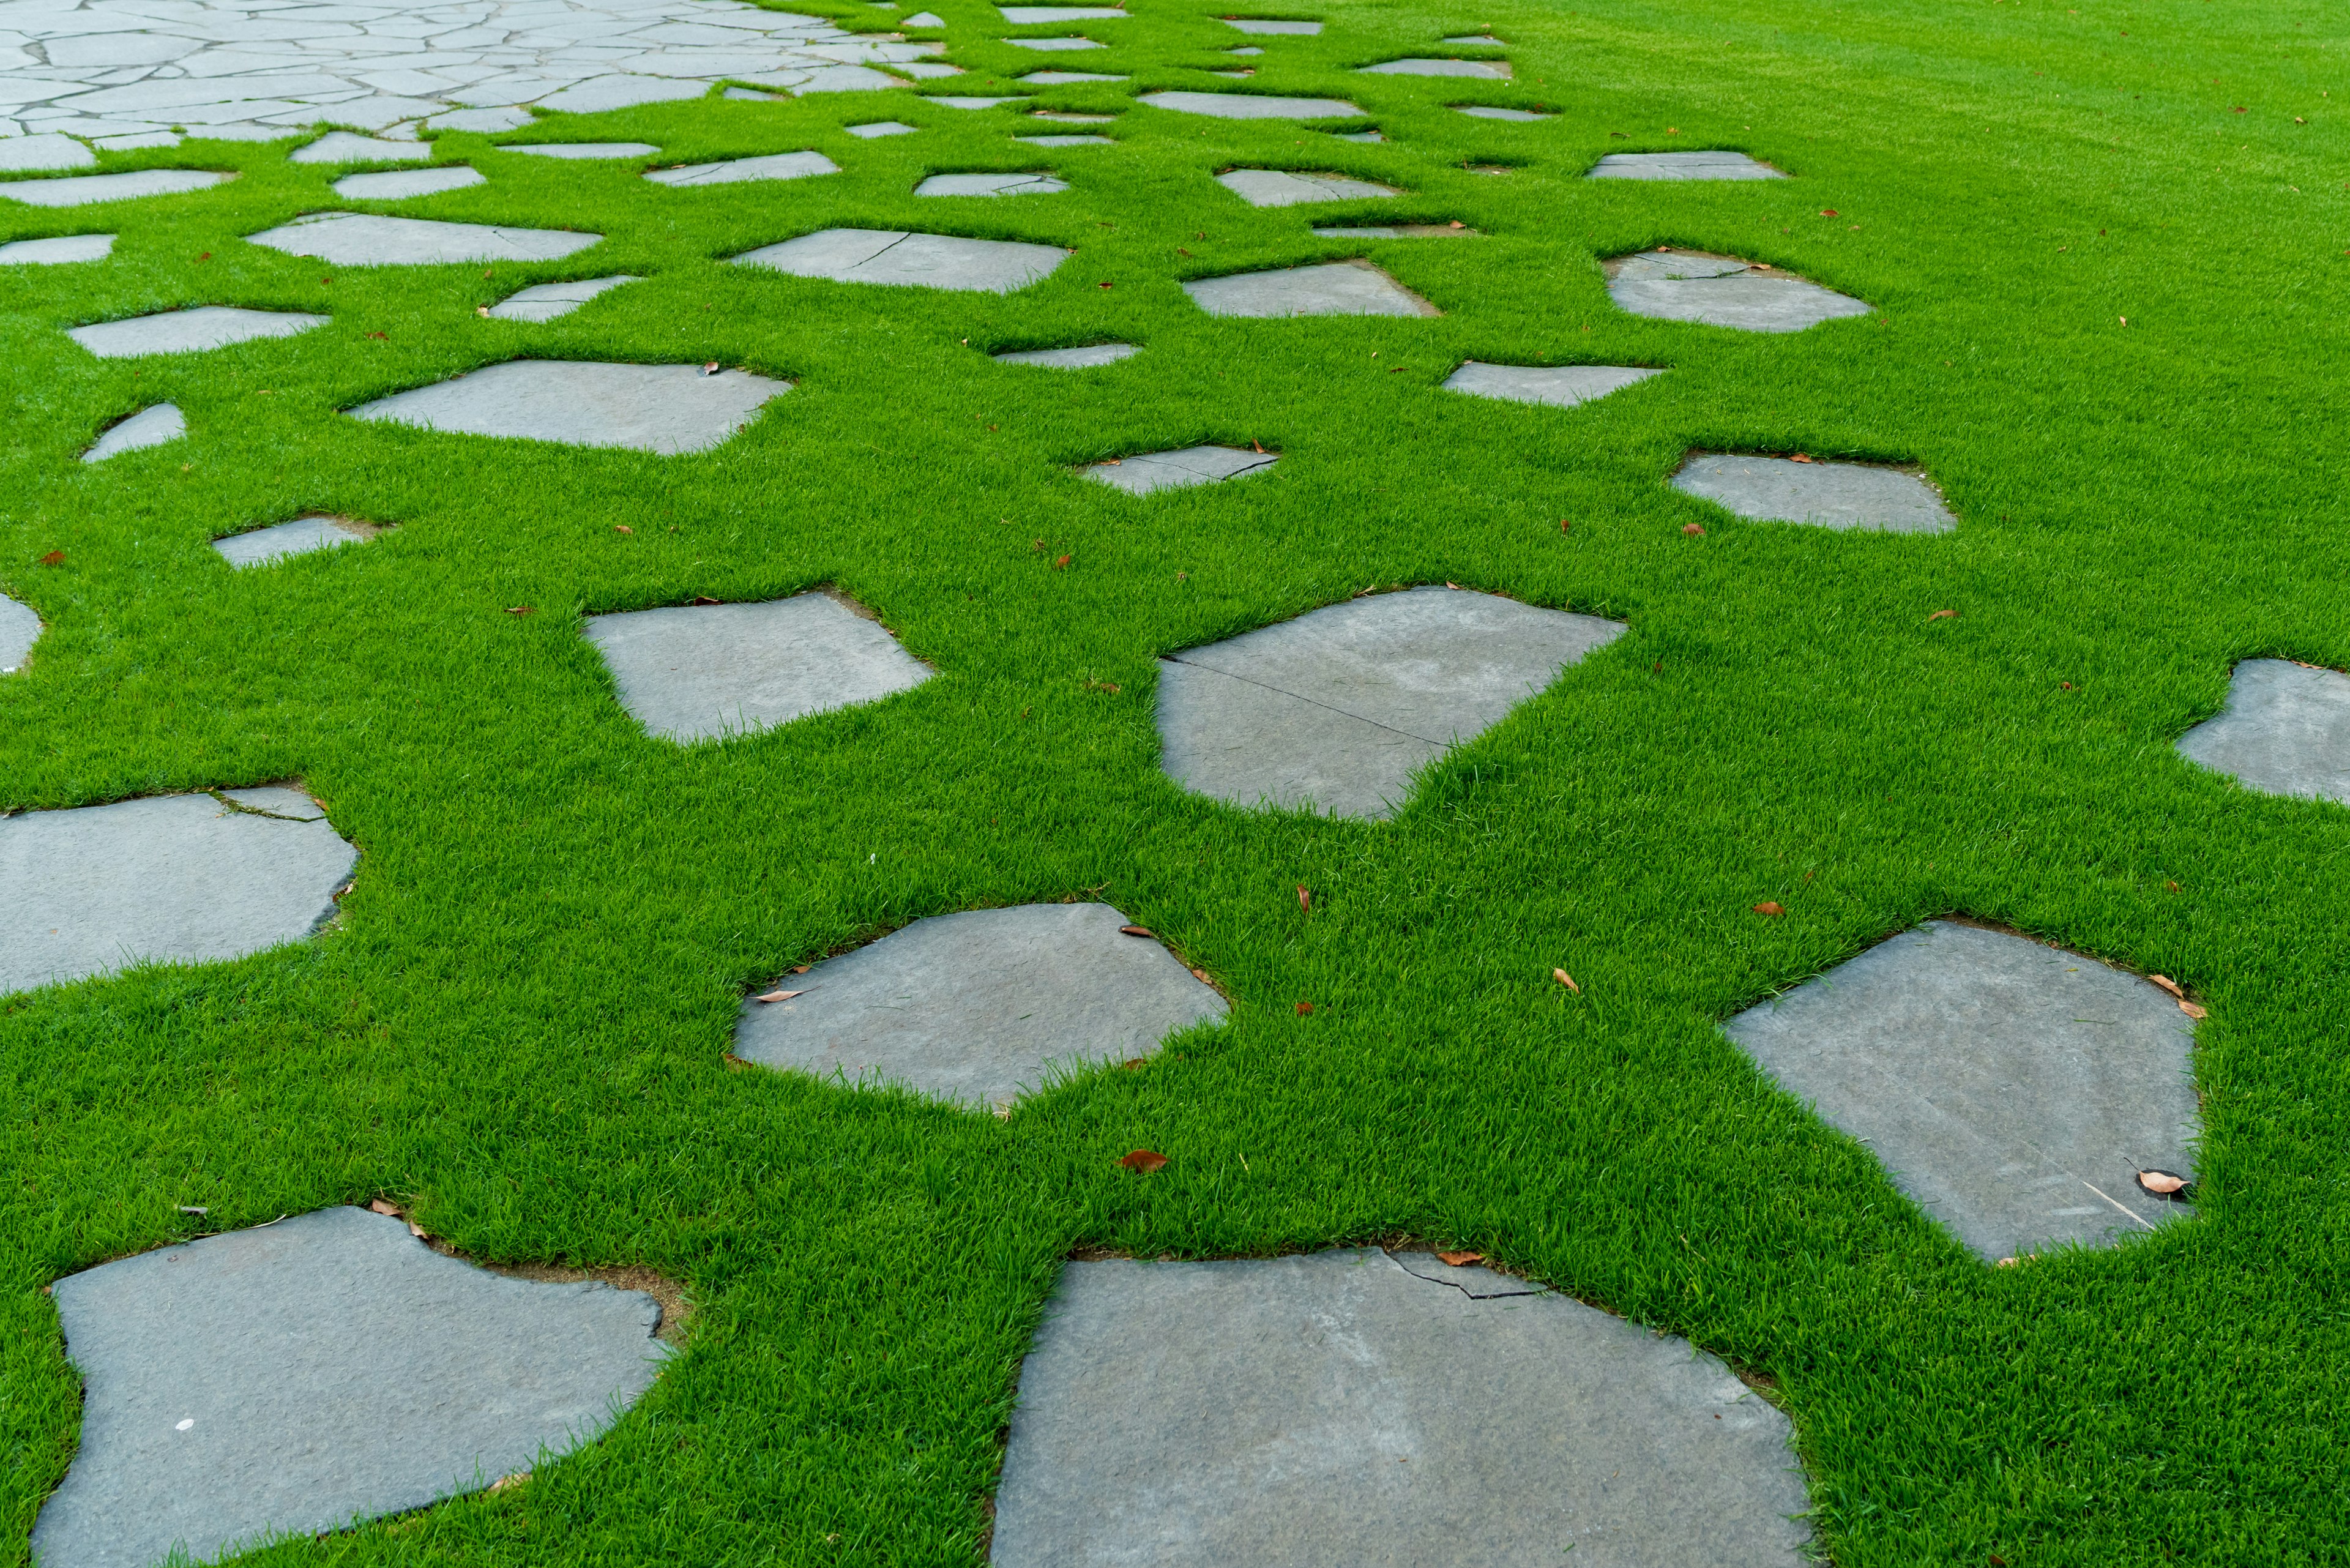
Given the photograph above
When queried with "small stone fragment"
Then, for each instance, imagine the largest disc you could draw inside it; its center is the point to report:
(302, 535)
(875, 127)
(149, 427)
(1829, 494)
(1153, 471)
(400, 184)
(1333, 288)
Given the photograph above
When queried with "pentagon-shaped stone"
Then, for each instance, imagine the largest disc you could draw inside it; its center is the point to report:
(989, 185)
(1491, 70)
(1561, 385)
(84, 190)
(151, 426)
(368, 239)
(1062, 141)
(1282, 188)
(545, 301)
(180, 879)
(1250, 106)
(1358, 1406)
(1682, 166)
(344, 147)
(1830, 494)
(1055, 45)
(54, 252)
(1149, 470)
(19, 629)
(896, 257)
(20, 153)
(190, 331)
(1333, 288)
(1494, 111)
(1721, 291)
(288, 1379)
(301, 537)
(582, 151)
(1268, 27)
(1396, 231)
(773, 166)
(977, 1008)
(1340, 709)
(665, 409)
(400, 184)
(1081, 359)
(697, 673)
(2011, 1089)
(2285, 730)
(872, 129)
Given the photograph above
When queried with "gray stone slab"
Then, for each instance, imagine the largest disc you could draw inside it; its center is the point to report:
(1145, 471)
(1342, 1407)
(1055, 45)
(301, 537)
(773, 166)
(19, 629)
(1340, 709)
(1363, 135)
(2010, 1088)
(965, 102)
(746, 95)
(2285, 730)
(1062, 78)
(924, 19)
(54, 251)
(1067, 119)
(1250, 106)
(1062, 141)
(980, 1007)
(294, 1377)
(620, 90)
(1396, 231)
(1333, 288)
(895, 256)
(545, 301)
(1081, 359)
(84, 190)
(151, 426)
(1682, 166)
(1029, 184)
(1491, 70)
(1246, 51)
(344, 147)
(1285, 188)
(19, 154)
(1562, 385)
(1266, 26)
(368, 239)
(177, 878)
(1494, 111)
(696, 673)
(190, 331)
(489, 121)
(1042, 15)
(880, 127)
(664, 408)
(1831, 495)
(399, 184)
(1470, 40)
(1721, 291)
(583, 151)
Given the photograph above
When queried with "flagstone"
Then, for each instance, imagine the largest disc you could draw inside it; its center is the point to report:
(1067, 119)
(301, 537)
(1052, 45)
(591, 151)
(1398, 232)
(54, 252)
(772, 166)
(924, 19)
(1496, 70)
(399, 184)
(487, 120)
(366, 239)
(664, 408)
(19, 629)
(621, 90)
(190, 331)
(1080, 359)
(1285, 188)
(343, 147)
(1026, 184)
(545, 301)
(1682, 166)
(1364, 136)
(1721, 291)
(19, 153)
(1830, 494)
(2285, 730)
(1062, 78)
(1262, 25)
(1245, 50)
(151, 426)
(880, 128)
(960, 102)
(1061, 141)
(1250, 106)
(1146, 472)
(1332, 288)
(897, 256)
(1494, 111)
(84, 190)
(1038, 15)
(1564, 386)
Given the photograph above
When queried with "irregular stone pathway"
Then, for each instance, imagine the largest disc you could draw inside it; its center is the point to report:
(301, 537)
(22, 154)
(291, 1377)
(1250, 106)
(151, 426)
(1282, 187)
(19, 629)
(773, 166)
(1830, 494)
(1083, 359)
(85, 190)
(1149, 470)
(665, 409)
(989, 185)
(1333, 288)
(190, 331)
(896, 257)
(368, 239)
(1721, 291)
(545, 301)
(52, 253)
(399, 184)
(2285, 730)
(1562, 385)
(1682, 166)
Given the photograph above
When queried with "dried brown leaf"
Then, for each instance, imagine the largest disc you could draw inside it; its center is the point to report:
(2192, 1011)
(1304, 1008)
(1134, 931)
(1459, 1260)
(1145, 1162)
(1943, 615)
(1768, 907)
(54, 558)
(1567, 980)
(383, 1206)
(780, 995)
(1691, 529)
(1304, 898)
(2167, 984)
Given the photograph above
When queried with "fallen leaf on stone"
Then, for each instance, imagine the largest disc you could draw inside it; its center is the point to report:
(2161, 1183)
(1135, 930)
(1801, 457)
(1304, 898)
(711, 368)
(802, 969)
(381, 1206)
(1767, 907)
(705, 599)
(780, 995)
(1567, 980)
(1201, 975)
(54, 558)
(1458, 1259)
(2192, 1011)
(1943, 615)
(1454, 586)
(415, 1230)
(2167, 983)
(1691, 529)
(1144, 1160)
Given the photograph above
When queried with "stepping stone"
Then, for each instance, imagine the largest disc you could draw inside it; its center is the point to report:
(923, 19)
(1399, 232)
(52, 253)
(1246, 51)
(545, 301)
(1562, 385)
(1149, 470)
(880, 128)
(621, 90)
(1051, 46)
(288, 1379)
(1281, 188)
(1682, 166)
(664, 408)
(698, 672)
(1494, 111)
(2009, 1089)
(188, 331)
(1266, 26)
(1061, 141)
(1832, 494)
(1233, 76)
(1250, 106)
(1066, 119)
(1083, 359)
(178, 879)
(488, 121)
(896, 257)
(1039, 16)
(2285, 730)
(977, 1008)
(1721, 291)
(1333, 288)
(921, 71)
(1358, 1406)
(1342, 707)
(774, 166)
(975, 102)
(1060, 78)
(368, 239)
(83, 190)
(149, 427)
(19, 629)
(1495, 70)
(398, 184)
(1360, 136)
(343, 147)
(989, 185)
(23, 153)
(592, 151)
(746, 95)
(260, 546)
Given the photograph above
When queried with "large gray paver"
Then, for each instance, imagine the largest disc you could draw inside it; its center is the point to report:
(1722, 291)
(1340, 707)
(1352, 1408)
(1082, 359)
(2010, 1088)
(545, 301)
(773, 166)
(1490, 71)
(300, 536)
(1250, 106)
(1682, 166)
(694, 672)
(1149, 470)
(179, 877)
(400, 184)
(296, 1377)
(1333, 288)
(344, 147)
(1268, 27)
(2285, 730)
(1030, 184)
(1562, 385)
(83, 190)
(54, 251)
(151, 426)
(20, 155)
(1494, 111)
(582, 151)
(895, 256)
(19, 629)
(665, 409)
(368, 239)
(1282, 187)
(964, 101)
(190, 331)
(976, 1008)
(1070, 140)
(1830, 494)
(872, 129)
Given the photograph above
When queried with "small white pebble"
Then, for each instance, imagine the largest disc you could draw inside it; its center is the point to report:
(183, 1426)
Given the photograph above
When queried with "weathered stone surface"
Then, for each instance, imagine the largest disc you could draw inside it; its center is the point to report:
(980, 1007)
(1562, 385)
(1082, 359)
(774, 166)
(1055, 45)
(1264, 26)
(1396, 231)
(51, 252)
(976, 102)
(1067, 119)
(1682, 166)
(665, 409)
(1042, 15)
(1341, 709)
(1832, 494)
(1029, 184)
(1494, 111)
(188, 331)
(1246, 51)
(1062, 78)
(83, 190)
(2010, 1088)
(151, 426)
(1721, 291)
(1466, 40)
(19, 629)
(924, 19)
(1491, 70)
(895, 256)
(582, 151)
(301, 537)
(398, 184)
(545, 301)
(344, 147)
(178, 879)
(1358, 1407)
(872, 129)
(20, 155)
(619, 91)
(368, 239)
(1333, 288)
(2285, 730)
(1063, 141)
(1250, 106)
(1363, 135)
(488, 121)
(750, 95)
(1282, 188)
(1145, 471)
(289, 1378)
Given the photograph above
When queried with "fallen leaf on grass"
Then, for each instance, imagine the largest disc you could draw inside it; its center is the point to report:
(382, 1205)
(415, 1230)
(705, 599)
(1828, 211)
(1304, 898)
(520, 609)
(780, 995)
(1134, 931)
(2007, 1262)
(1691, 529)
(1256, 443)
(1767, 907)
(505, 1483)
(1567, 980)
(483, 311)
(2192, 1011)
(1133, 1064)
(1144, 1160)
(2161, 1183)
(381, 336)
(2167, 984)
(1943, 615)
(1304, 1009)
(1060, 563)
(54, 558)
(1459, 1260)
(622, 528)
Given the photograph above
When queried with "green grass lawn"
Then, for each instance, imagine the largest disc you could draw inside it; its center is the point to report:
(519, 1024)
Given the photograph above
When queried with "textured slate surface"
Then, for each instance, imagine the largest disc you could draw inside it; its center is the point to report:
(368, 239)
(989, 185)
(895, 256)
(545, 301)
(302, 535)
(2008, 1088)
(694, 672)
(1831, 495)
(1250, 106)
(188, 331)
(399, 184)
(52, 251)
(979, 1007)
(2285, 730)
(83, 190)
(877, 128)
(1562, 385)
(1082, 359)
(964, 101)
(344, 147)
(1055, 45)
(1494, 111)
(1395, 232)
(1491, 70)
(1721, 291)
(1282, 187)
(298, 1375)
(1340, 709)
(661, 409)
(1149, 470)
(1061, 78)
(151, 426)
(773, 166)
(587, 151)
(22, 154)
(1682, 166)
(1333, 288)
(1064, 140)
(177, 877)
(19, 629)
(1346, 1408)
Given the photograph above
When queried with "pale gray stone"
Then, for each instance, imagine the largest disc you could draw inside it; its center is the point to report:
(1364, 136)
(848, 79)
(1234, 75)
(1494, 111)
(895, 256)
(1562, 385)
(928, 71)
(545, 301)
(484, 120)
(773, 166)
(664, 408)
(1266, 26)
(1052, 45)
(1061, 141)
(1721, 291)
(591, 151)
(1062, 78)
(1145, 471)
(1250, 106)
(1682, 166)
(1342, 707)
(1284, 188)
(2285, 730)
(1398, 232)
(19, 629)
(697, 673)
(398, 184)
(746, 95)
(924, 19)
(880, 127)
(368, 239)
(989, 185)
(1493, 70)
(301, 537)
(1831, 495)
(1464, 40)
(1356, 1408)
(85, 190)
(296, 1377)
(975, 102)
(190, 331)
(1092, 354)
(620, 91)
(22, 153)
(178, 879)
(1246, 51)
(1333, 288)
(52, 253)
(343, 147)
(1067, 119)
(979, 1008)
(1042, 15)
(149, 427)
(2010, 1088)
